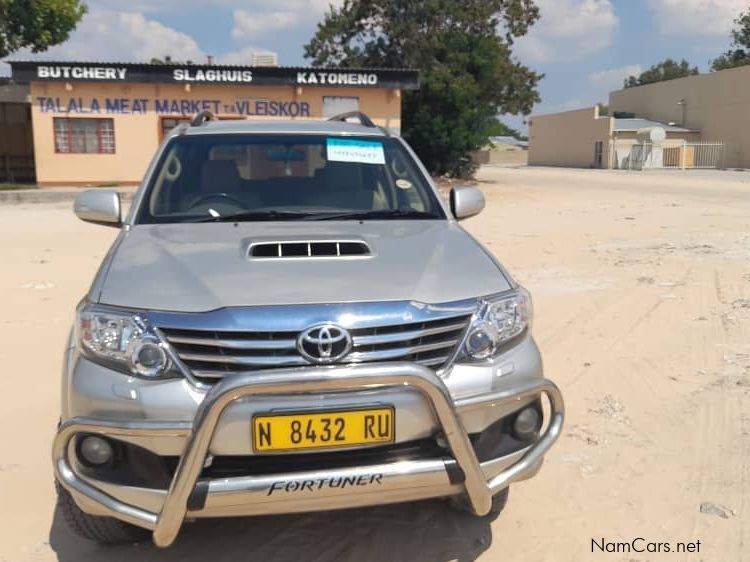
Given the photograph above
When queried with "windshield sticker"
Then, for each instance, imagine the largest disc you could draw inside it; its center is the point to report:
(362, 152)
(404, 184)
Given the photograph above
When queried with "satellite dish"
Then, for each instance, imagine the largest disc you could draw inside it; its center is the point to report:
(654, 135)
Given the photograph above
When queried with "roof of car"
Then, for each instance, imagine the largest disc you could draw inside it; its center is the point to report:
(304, 126)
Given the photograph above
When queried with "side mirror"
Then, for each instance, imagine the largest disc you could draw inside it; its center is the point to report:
(100, 206)
(466, 202)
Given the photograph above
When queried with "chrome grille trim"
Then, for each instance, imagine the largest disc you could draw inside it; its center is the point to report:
(386, 354)
(286, 318)
(209, 374)
(401, 336)
(247, 360)
(292, 343)
(437, 361)
(218, 374)
(291, 360)
(235, 343)
(207, 346)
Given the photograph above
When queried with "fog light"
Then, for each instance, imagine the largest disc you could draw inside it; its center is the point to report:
(96, 450)
(526, 423)
(149, 358)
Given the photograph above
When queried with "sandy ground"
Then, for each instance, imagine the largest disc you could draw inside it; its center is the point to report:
(642, 296)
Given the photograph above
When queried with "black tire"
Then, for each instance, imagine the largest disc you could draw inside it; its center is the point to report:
(499, 501)
(104, 530)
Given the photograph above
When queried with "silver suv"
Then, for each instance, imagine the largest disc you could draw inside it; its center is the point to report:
(291, 319)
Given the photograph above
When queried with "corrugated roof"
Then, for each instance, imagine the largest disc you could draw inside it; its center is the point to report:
(203, 65)
(628, 125)
(510, 141)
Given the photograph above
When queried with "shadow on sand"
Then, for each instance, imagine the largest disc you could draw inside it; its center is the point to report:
(426, 531)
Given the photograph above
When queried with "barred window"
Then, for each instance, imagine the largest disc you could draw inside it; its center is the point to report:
(84, 135)
(169, 123)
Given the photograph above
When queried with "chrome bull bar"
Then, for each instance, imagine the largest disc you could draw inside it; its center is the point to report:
(167, 522)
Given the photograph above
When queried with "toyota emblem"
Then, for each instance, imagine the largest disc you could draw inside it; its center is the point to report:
(324, 343)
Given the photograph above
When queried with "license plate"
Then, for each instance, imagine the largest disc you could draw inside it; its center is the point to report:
(289, 432)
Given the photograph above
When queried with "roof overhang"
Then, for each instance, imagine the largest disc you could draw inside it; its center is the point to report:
(666, 129)
(61, 71)
(635, 124)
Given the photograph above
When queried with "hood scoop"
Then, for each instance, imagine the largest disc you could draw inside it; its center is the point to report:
(312, 249)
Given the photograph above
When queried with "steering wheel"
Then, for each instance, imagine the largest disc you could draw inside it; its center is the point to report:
(223, 198)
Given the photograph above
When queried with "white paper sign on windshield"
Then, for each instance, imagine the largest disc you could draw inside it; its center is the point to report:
(349, 150)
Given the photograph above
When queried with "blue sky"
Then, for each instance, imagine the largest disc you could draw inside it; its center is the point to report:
(584, 47)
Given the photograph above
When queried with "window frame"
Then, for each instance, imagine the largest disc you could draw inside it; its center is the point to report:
(339, 97)
(185, 118)
(162, 118)
(99, 135)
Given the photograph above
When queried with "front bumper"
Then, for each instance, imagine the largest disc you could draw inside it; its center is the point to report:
(163, 511)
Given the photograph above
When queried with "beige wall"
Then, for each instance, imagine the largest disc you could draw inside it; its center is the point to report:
(137, 134)
(717, 104)
(509, 157)
(567, 138)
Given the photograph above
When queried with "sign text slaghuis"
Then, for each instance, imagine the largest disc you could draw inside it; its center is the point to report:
(214, 75)
(170, 106)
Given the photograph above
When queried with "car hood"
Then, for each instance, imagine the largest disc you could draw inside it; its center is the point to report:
(205, 266)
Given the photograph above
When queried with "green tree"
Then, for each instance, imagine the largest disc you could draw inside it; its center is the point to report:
(739, 53)
(37, 24)
(668, 69)
(463, 49)
(603, 109)
(500, 129)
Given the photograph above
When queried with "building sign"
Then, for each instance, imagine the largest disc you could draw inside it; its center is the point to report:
(25, 72)
(171, 106)
(328, 78)
(211, 75)
(44, 72)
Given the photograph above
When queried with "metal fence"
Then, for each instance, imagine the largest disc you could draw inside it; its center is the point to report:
(705, 154)
(679, 155)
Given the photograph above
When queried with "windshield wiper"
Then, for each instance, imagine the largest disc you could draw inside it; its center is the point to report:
(269, 215)
(372, 215)
(272, 215)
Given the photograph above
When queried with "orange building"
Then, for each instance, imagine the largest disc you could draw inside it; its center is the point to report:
(100, 123)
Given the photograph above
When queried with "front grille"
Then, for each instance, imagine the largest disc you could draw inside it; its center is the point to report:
(212, 355)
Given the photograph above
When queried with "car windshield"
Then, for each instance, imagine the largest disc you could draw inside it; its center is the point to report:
(213, 177)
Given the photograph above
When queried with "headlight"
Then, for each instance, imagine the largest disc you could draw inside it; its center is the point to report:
(500, 319)
(121, 341)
